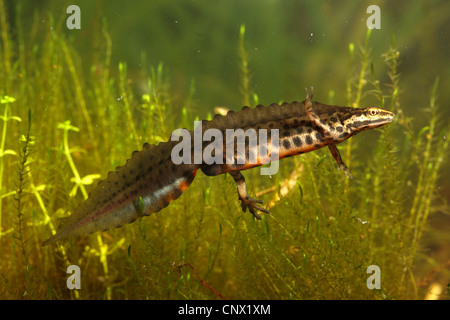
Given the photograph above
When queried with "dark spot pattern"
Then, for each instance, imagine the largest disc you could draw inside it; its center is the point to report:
(303, 123)
(297, 141)
(319, 136)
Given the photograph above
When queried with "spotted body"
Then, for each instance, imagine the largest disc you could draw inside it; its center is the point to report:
(150, 180)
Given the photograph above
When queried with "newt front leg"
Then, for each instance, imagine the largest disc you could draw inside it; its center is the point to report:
(327, 133)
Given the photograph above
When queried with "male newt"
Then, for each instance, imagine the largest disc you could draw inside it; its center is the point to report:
(150, 180)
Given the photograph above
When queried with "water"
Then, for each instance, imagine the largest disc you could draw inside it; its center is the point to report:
(134, 73)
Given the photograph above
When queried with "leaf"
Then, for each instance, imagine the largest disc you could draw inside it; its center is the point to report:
(73, 192)
(75, 180)
(67, 126)
(7, 99)
(77, 149)
(146, 97)
(89, 179)
(8, 151)
(40, 187)
(15, 118)
(10, 118)
(422, 131)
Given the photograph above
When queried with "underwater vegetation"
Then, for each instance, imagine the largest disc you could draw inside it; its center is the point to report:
(67, 120)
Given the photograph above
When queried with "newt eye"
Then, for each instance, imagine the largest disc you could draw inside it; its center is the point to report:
(373, 112)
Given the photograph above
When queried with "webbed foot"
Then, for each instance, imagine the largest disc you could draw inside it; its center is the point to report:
(252, 206)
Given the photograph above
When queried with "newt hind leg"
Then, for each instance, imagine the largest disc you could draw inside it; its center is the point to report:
(246, 201)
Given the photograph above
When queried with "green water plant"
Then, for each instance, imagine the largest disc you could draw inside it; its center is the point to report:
(5, 100)
(22, 169)
(80, 183)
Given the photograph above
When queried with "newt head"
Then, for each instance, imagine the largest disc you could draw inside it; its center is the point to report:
(367, 118)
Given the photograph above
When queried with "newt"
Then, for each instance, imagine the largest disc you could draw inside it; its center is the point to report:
(150, 180)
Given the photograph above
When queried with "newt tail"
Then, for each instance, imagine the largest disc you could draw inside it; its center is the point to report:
(147, 183)
(150, 180)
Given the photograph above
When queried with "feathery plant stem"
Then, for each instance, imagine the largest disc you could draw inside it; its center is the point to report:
(79, 183)
(157, 100)
(432, 159)
(66, 126)
(392, 60)
(393, 175)
(361, 82)
(349, 82)
(363, 71)
(386, 173)
(126, 101)
(6, 100)
(2, 164)
(80, 96)
(156, 87)
(6, 59)
(104, 89)
(22, 169)
(245, 78)
(415, 213)
(35, 190)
